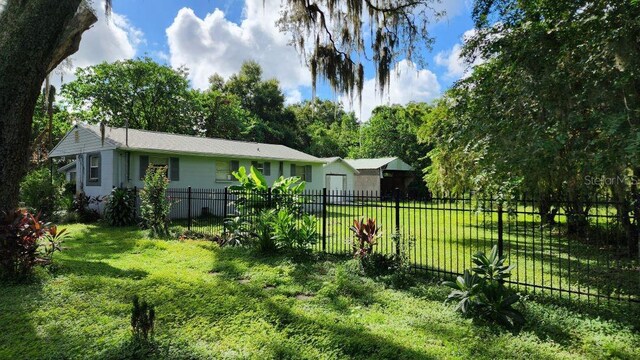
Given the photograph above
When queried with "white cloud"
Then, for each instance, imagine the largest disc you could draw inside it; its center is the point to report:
(216, 44)
(407, 84)
(108, 40)
(292, 97)
(453, 61)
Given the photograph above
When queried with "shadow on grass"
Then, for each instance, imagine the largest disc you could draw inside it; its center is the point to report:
(97, 268)
(101, 242)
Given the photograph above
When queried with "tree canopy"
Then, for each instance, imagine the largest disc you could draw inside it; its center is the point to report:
(138, 92)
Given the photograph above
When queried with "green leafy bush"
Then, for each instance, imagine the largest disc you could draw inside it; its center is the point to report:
(39, 193)
(254, 195)
(262, 232)
(155, 205)
(291, 234)
(481, 293)
(143, 317)
(236, 232)
(120, 209)
(26, 242)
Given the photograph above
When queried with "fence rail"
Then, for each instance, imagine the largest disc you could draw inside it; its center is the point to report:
(591, 257)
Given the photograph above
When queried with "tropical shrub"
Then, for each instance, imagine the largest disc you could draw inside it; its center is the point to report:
(481, 292)
(291, 234)
(262, 232)
(143, 317)
(236, 232)
(155, 206)
(82, 207)
(120, 209)
(365, 235)
(254, 194)
(26, 242)
(39, 193)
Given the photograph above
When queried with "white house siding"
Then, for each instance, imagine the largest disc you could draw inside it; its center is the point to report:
(198, 172)
(79, 141)
(344, 174)
(107, 174)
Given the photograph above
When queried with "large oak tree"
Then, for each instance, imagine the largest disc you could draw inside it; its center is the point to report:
(35, 36)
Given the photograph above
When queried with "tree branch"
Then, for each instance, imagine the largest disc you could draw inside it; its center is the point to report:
(69, 41)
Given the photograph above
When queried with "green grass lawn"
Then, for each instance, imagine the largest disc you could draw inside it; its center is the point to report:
(216, 302)
(447, 235)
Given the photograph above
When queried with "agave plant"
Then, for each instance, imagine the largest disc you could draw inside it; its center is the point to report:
(497, 304)
(366, 234)
(465, 291)
(492, 267)
(480, 292)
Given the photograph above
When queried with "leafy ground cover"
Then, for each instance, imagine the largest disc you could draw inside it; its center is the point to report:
(216, 302)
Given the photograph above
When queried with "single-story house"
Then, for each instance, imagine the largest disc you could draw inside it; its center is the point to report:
(122, 159)
(381, 176)
(339, 178)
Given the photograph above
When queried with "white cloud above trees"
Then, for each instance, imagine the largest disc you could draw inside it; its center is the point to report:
(215, 44)
(407, 84)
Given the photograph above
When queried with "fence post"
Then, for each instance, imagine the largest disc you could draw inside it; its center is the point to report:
(324, 219)
(500, 231)
(224, 210)
(397, 199)
(135, 202)
(189, 220)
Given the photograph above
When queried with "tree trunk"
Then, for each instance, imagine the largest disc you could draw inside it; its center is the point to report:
(35, 36)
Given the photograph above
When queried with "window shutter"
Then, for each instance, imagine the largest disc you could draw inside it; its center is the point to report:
(293, 170)
(174, 169)
(267, 169)
(307, 173)
(254, 164)
(235, 165)
(281, 168)
(144, 164)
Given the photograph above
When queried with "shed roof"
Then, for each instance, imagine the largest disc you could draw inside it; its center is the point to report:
(330, 160)
(388, 163)
(153, 141)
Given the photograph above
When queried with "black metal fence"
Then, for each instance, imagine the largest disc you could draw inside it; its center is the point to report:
(591, 257)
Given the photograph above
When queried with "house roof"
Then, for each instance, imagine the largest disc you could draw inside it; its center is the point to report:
(173, 143)
(70, 166)
(388, 163)
(330, 160)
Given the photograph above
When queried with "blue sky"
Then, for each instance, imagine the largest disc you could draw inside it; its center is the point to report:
(209, 36)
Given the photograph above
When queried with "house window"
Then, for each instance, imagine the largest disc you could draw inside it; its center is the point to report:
(94, 168)
(303, 172)
(263, 167)
(225, 169)
(300, 172)
(156, 162)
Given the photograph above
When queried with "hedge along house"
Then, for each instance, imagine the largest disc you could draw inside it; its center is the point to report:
(122, 160)
(381, 176)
